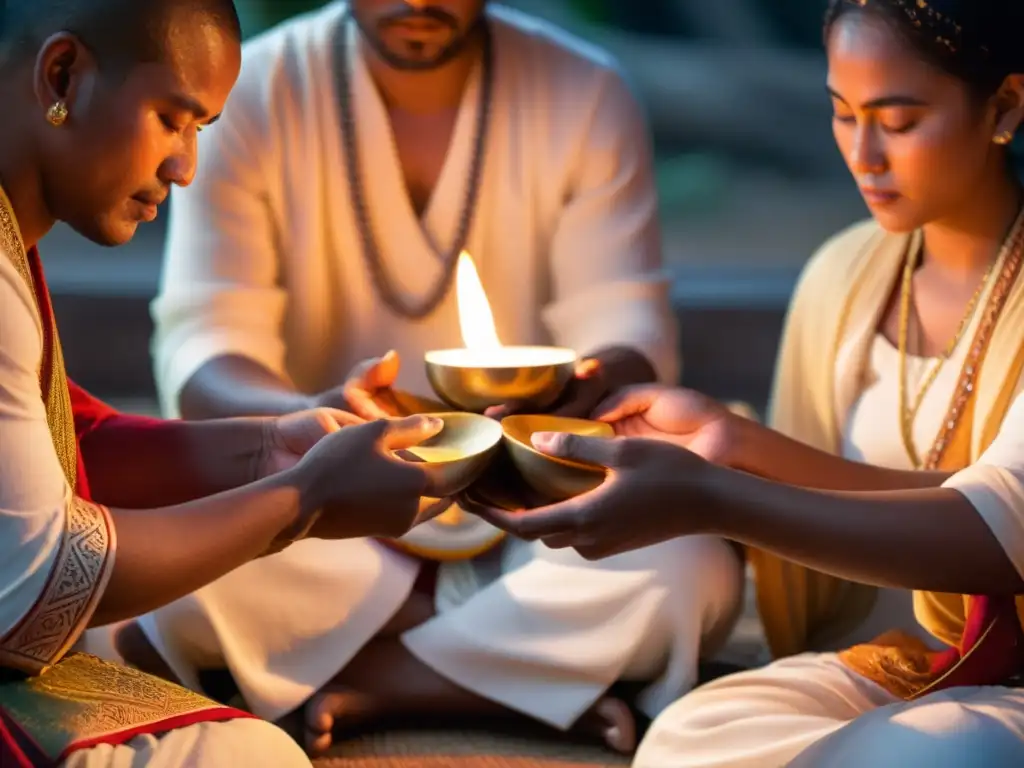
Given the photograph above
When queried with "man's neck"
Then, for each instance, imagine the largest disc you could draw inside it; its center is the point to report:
(23, 188)
(427, 91)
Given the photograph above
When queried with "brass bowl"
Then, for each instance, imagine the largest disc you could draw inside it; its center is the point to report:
(533, 376)
(457, 455)
(554, 478)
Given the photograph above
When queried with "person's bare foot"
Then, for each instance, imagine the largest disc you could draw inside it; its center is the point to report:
(330, 710)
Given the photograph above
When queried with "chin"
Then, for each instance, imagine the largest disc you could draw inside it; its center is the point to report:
(895, 222)
(106, 232)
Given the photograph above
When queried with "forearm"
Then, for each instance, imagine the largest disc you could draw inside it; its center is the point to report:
(164, 554)
(236, 386)
(762, 451)
(147, 463)
(929, 539)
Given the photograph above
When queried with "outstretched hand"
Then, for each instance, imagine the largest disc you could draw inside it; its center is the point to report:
(653, 492)
(682, 416)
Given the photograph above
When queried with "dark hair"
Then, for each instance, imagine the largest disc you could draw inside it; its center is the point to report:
(977, 41)
(119, 32)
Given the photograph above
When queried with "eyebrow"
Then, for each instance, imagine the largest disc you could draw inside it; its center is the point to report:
(883, 101)
(189, 104)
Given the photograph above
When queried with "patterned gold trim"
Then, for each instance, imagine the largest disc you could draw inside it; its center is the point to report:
(52, 376)
(85, 559)
(79, 576)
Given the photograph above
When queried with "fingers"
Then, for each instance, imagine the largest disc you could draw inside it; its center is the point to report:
(377, 372)
(603, 452)
(397, 434)
(333, 419)
(627, 402)
(563, 518)
(365, 383)
(588, 368)
(499, 412)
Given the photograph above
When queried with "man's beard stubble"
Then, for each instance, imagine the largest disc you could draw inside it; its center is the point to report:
(414, 62)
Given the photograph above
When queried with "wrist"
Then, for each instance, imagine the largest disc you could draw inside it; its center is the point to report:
(739, 442)
(709, 492)
(303, 514)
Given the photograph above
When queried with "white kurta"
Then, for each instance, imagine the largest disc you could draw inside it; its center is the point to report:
(264, 261)
(34, 495)
(811, 710)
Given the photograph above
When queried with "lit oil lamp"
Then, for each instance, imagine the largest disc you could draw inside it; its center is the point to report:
(485, 372)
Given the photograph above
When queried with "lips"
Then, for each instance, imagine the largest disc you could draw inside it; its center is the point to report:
(154, 200)
(879, 196)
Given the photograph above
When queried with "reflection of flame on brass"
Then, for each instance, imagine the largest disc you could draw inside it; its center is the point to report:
(475, 317)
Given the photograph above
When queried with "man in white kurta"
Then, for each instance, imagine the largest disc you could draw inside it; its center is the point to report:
(265, 262)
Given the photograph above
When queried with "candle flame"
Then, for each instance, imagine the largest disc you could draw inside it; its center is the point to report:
(475, 317)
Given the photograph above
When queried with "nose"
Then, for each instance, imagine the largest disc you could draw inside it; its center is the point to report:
(180, 168)
(867, 155)
(419, 5)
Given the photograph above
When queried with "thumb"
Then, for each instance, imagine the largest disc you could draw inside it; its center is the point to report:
(405, 433)
(600, 451)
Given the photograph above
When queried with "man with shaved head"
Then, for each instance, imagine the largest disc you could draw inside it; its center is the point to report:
(105, 516)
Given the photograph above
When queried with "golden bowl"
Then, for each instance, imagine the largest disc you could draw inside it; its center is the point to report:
(474, 381)
(457, 455)
(556, 479)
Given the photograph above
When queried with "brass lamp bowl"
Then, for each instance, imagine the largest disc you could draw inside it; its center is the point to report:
(554, 478)
(533, 376)
(457, 455)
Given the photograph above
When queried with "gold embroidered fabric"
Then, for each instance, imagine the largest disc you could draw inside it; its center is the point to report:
(52, 376)
(81, 571)
(85, 558)
(84, 700)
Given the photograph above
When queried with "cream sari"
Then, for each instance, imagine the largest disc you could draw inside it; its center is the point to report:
(838, 304)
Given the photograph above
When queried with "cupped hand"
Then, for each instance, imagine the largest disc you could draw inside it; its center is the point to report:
(654, 491)
(584, 391)
(362, 488)
(286, 439)
(672, 414)
(368, 391)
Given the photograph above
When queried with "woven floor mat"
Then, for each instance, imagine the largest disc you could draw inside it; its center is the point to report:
(466, 749)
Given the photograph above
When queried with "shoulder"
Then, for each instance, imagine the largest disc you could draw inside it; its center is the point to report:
(839, 257)
(570, 66)
(283, 57)
(18, 314)
(558, 46)
(21, 332)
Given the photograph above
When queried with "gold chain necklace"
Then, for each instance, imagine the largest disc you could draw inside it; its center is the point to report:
(909, 411)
